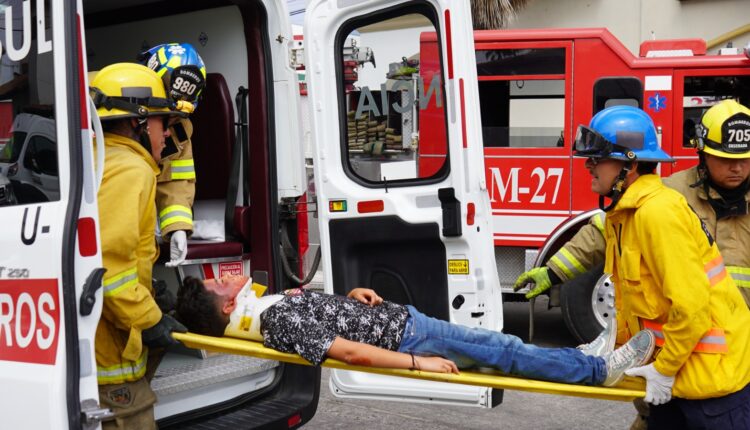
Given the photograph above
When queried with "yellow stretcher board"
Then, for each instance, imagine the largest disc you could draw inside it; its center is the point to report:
(628, 390)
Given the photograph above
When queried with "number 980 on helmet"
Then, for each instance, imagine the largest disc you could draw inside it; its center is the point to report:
(181, 69)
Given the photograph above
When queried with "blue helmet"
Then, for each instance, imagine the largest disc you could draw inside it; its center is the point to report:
(620, 132)
(180, 68)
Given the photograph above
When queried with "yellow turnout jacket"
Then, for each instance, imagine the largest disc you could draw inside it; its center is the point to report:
(127, 217)
(670, 277)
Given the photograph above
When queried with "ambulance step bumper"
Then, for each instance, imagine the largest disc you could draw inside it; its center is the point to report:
(288, 403)
(172, 378)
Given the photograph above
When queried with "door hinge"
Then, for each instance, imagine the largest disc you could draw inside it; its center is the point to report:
(92, 414)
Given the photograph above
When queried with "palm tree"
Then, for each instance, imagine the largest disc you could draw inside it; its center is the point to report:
(494, 14)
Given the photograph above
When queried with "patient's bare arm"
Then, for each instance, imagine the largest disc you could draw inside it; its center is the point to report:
(362, 354)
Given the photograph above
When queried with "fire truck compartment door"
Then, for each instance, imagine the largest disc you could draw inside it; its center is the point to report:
(627, 390)
(415, 229)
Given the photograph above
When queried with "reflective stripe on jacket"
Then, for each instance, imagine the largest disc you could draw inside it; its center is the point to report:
(127, 217)
(584, 251)
(668, 270)
(175, 190)
(732, 234)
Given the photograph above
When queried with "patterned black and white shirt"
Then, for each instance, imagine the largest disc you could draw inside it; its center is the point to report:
(307, 324)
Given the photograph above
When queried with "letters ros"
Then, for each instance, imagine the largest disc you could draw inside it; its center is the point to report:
(29, 320)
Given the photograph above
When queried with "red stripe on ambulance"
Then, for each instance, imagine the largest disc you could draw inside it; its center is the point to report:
(29, 320)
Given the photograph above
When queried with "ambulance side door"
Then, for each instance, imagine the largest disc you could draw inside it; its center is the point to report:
(416, 231)
(48, 246)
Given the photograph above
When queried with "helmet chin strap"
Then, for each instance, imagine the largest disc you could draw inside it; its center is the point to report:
(617, 189)
(143, 134)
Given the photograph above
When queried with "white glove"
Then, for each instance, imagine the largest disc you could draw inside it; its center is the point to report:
(658, 386)
(177, 248)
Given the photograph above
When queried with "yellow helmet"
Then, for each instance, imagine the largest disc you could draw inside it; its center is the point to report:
(724, 131)
(130, 90)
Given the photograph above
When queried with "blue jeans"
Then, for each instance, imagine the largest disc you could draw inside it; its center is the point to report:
(477, 347)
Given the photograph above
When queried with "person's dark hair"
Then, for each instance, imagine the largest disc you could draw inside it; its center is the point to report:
(646, 167)
(197, 308)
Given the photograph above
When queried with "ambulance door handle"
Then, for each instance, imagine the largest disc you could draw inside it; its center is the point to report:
(88, 296)
(93, 414)
(451, 212)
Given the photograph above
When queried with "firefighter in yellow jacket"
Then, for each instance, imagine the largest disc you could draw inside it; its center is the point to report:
(669, 277)
(134, 110)
(718, 189)
(184, 76)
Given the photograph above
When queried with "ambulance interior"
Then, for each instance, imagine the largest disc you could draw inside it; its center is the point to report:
(239, 214)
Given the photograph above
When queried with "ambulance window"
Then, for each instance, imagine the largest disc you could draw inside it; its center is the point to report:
(27, 106)
(702, 92)
(41, 156)
(386, 104)
(617, 91)
(522, 113)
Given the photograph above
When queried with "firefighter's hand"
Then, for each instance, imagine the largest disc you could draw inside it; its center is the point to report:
(658, 386)
(160, 335)
(177, 248)
(366, 296)
(165, 299)
(538, 276)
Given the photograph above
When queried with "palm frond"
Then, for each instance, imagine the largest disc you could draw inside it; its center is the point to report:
(494, 14)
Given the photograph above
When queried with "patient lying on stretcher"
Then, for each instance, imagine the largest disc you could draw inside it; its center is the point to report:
(363, 329)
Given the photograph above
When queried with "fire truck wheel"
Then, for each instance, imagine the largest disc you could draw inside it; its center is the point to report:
(579, 305)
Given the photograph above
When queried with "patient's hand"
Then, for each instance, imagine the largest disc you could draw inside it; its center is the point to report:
(436, 364)
(366, 296)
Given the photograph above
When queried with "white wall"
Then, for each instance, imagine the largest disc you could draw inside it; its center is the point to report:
(633, 21)
(225, 43)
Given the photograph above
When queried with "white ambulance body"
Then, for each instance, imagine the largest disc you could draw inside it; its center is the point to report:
(419, 240)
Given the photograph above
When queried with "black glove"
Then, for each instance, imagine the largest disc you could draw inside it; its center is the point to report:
(160, 335)
(164, 298)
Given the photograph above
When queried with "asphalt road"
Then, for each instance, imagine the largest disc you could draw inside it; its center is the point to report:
(518, 411)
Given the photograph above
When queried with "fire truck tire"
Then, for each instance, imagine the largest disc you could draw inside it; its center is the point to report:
(578, 310)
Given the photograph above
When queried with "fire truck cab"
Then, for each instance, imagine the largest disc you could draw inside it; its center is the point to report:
(420, 240)
(535, 88)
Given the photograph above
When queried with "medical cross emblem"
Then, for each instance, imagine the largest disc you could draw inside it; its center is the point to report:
(657, 102)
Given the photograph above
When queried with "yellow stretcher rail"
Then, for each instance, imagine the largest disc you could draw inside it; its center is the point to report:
(628, 390)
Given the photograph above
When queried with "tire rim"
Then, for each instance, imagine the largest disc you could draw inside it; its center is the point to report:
(603, 300)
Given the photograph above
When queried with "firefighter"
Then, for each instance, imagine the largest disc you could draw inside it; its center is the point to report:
(184, 76)
(718, 189)
(134, 110)
(669, 275)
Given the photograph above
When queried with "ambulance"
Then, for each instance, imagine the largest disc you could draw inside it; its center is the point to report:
(535, 87)
(420, 239)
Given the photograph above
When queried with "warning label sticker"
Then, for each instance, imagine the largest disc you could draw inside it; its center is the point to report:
(458, 267)
(230, 268)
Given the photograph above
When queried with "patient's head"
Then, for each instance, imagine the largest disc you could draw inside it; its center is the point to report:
(204, 306)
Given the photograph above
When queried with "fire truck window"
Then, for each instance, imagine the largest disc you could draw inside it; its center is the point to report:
(537, 61)
(28, 154)
(395, 121)
(522, 113)
(702, 92)
(617, 91)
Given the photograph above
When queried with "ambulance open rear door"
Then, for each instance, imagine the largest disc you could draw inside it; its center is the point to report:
(49, 244)
(417, 235)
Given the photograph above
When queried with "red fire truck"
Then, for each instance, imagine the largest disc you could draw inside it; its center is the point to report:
(535, 88)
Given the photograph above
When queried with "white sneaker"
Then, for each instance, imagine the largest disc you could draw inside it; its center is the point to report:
(636, 352)
(603, 343)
